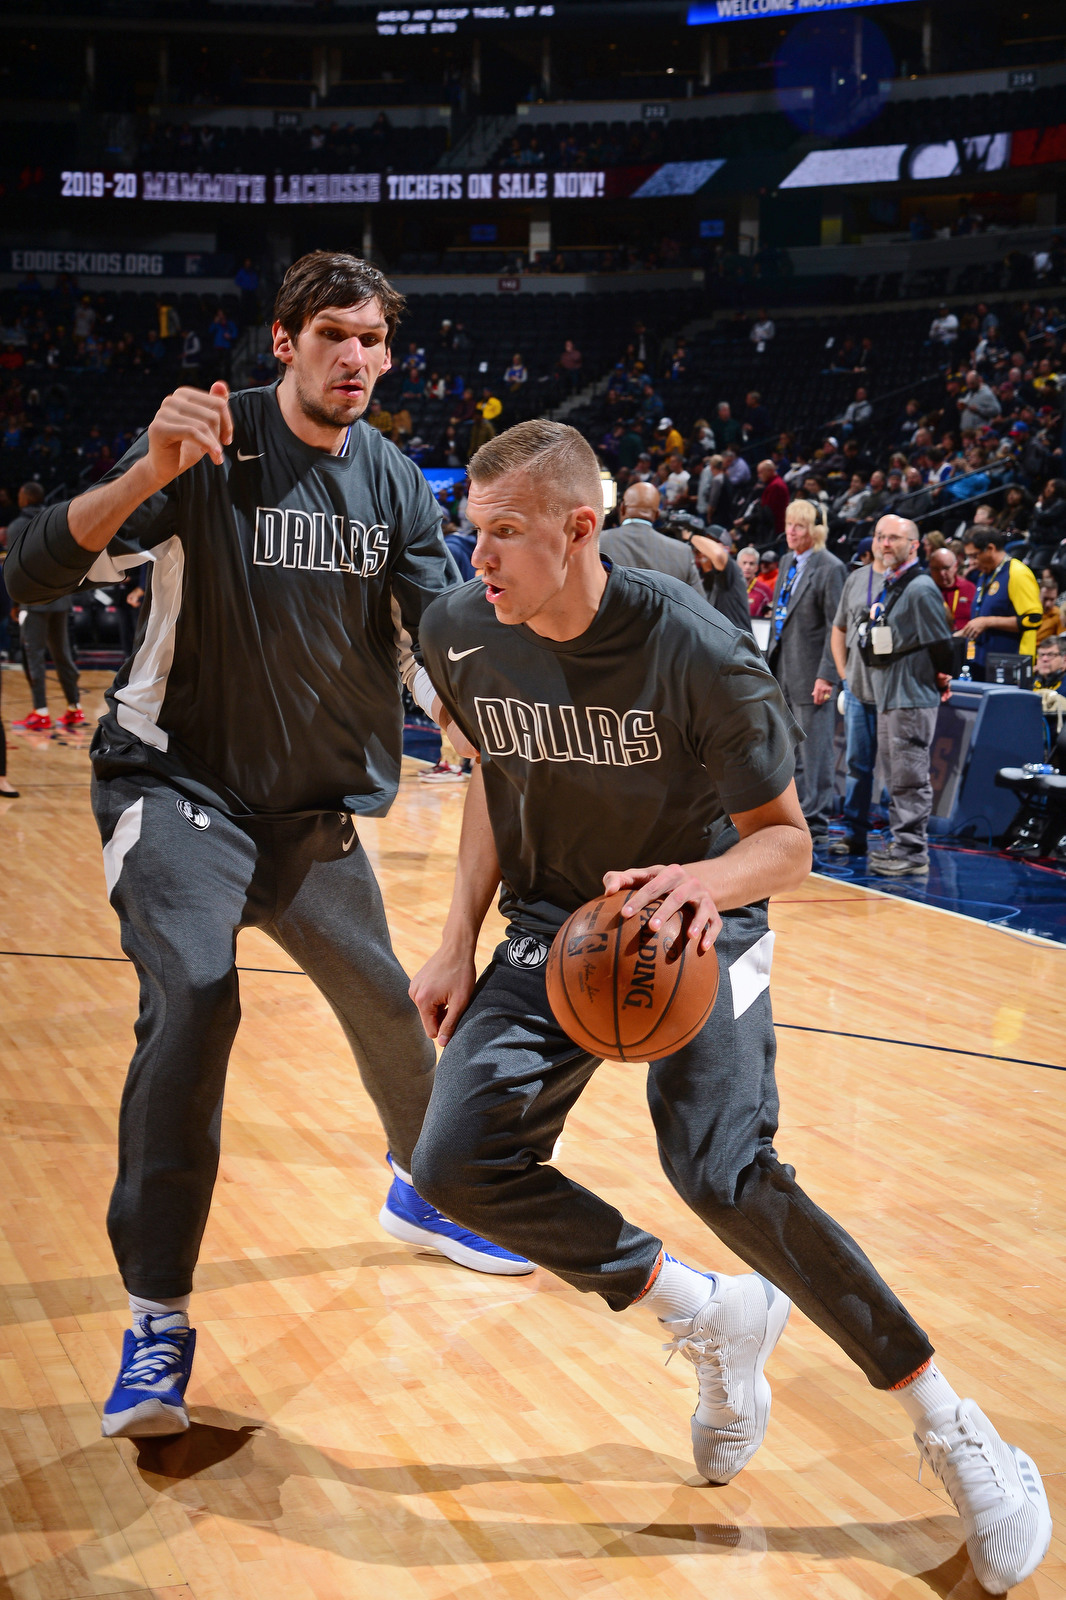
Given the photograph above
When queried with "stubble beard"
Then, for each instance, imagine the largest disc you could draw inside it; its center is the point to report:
(330, 416)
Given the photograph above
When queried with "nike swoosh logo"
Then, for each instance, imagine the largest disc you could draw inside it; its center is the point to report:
(242, 457)
(351, 841)
(457, 655)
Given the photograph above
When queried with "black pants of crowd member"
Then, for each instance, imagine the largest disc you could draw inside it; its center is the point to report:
(44, 633)
(183, 878)
(505, 1085)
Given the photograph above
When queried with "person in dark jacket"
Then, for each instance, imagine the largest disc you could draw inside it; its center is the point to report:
(44, 628)
(1047, 525)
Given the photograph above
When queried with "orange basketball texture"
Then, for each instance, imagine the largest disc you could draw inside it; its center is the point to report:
(625, 991)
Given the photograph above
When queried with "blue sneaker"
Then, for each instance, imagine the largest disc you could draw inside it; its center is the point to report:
(149, 1393)
(408, 1217)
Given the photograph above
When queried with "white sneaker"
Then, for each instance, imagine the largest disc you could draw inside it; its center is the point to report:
(443, 772)
(997, 1492)
(728, 1342)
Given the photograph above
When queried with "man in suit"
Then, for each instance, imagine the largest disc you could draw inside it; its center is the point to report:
(806, 597)
(635, 543)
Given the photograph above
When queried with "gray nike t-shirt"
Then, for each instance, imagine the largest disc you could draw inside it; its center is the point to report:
(629, 745)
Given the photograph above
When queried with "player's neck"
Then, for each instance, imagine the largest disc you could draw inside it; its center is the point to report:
(572, 611)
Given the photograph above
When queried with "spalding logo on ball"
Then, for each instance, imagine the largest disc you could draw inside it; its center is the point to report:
(627, 991)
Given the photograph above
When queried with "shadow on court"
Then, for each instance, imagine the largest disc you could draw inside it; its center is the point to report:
(239, 1471)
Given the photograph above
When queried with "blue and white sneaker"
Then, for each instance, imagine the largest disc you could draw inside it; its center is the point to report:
(149, 1393)
(408, 1217)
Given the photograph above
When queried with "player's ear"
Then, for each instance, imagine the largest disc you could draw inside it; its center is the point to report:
(284, 348)
(584, 524)
(386, 365)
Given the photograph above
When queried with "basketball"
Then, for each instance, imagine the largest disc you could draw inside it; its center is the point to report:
(623, 990)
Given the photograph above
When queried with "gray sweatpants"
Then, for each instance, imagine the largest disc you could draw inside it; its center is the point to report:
(905, 737)
(41, 632)
(504, 1087)
(815, 759)
(184, 878)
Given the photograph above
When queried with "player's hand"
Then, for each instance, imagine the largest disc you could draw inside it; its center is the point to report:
(823, 691)
(458, 739)
(441, 991)
(677, 886)
(188, 426)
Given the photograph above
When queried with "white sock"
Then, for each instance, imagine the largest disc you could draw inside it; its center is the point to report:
(929, 1400)
(398, 1172)
(678, 1292)
(157, 1308)
(41, 711)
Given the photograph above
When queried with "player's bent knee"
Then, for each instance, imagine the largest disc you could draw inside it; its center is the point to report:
(443, 1173)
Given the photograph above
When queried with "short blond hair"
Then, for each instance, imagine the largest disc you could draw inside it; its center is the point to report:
(805, 511)
(560, 462)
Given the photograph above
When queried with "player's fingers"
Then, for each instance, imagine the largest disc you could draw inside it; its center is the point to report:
(218, 387)
(711, 931)
(221, 390)
(456, 1005)
(687, 893)
(644, 894)
(427, 1009)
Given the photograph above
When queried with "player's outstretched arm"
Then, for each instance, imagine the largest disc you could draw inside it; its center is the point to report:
(772, 854)
(188, 426)
(442, 989)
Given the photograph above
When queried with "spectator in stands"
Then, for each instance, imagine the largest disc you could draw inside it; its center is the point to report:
(917, 499)
(857, 415)
(635, 543)
(909, 680)
(1051, 621)
(378, 418)
(944, 328)
(668, 439)
(676, 482)
(727, 430)
(413, 387)
(679, 363)
(1050, 665)
(1047, 525)
(762, 331)
(755, 423)
(569, 365)
(956, 591)
(84, 318)
(223, 336)
(806, 597)
(977, 404)
(651, 407)
(760, 594)
(764, 515)
(861, 589)
(1017, 509)
(713, 495)
(768, 568)
(1007, 608)
(247, 281)
(516, 374)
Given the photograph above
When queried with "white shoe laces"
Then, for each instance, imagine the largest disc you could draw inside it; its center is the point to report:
(966, 1466)
(712, 1368)
(157, 1360)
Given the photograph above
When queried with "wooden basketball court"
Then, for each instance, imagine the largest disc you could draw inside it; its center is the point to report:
(379, 1424)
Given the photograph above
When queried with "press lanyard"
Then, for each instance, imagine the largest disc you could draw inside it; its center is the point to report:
(781, 608)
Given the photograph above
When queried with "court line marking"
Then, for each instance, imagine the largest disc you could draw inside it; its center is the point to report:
(791, 1027)
(945, 911)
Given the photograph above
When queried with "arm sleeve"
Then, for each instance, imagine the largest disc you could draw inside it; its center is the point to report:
(45, 560)
(745, 734)
(1024, 593)
(832, 589)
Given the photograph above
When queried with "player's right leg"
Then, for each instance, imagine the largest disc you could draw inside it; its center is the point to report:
(504, 1086)
(181, 877)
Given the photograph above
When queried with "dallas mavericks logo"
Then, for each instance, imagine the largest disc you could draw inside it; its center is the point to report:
(525, 951)
(193, 814)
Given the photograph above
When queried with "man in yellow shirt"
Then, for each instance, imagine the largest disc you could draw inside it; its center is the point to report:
(1007, 609)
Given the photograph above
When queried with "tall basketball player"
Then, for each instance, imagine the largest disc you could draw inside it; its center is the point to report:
(622, 721)
(293, 551)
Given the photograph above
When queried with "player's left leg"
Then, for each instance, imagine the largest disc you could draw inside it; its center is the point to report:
(714, 1106)
(330, 919)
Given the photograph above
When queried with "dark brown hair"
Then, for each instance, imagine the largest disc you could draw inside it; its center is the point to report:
(326, 278)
